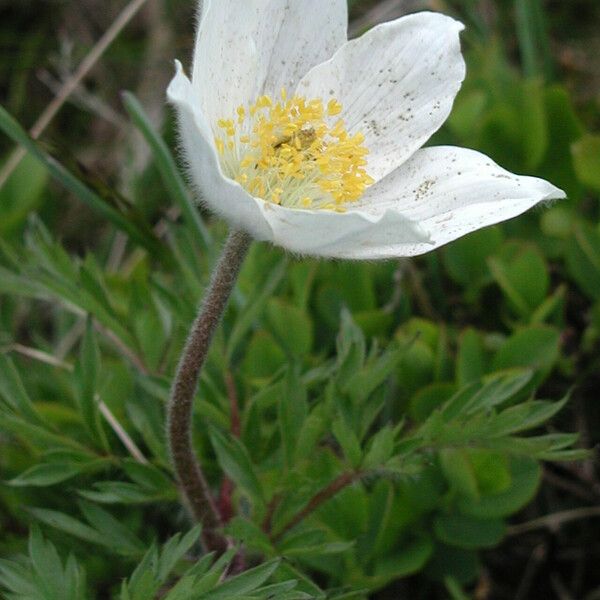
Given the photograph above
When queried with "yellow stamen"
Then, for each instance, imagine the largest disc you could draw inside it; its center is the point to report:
(286, 152)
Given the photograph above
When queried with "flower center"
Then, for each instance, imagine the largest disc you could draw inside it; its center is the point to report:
(294, 152)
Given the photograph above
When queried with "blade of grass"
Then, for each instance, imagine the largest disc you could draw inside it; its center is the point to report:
(168, 169)
(533, 38)
(13, 130)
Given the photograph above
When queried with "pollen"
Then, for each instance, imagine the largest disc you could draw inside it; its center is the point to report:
(295, 152)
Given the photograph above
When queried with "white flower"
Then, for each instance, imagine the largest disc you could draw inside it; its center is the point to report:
(313, 142)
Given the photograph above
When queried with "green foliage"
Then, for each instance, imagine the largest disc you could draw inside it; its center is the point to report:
(41, 575)
(363, 422)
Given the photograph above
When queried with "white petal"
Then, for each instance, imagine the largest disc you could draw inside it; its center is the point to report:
(223, 196)
(341, 235)
(252, 47)
(397, 84)
(450, 192)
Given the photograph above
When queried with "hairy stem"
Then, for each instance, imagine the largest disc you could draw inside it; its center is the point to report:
(191, 479)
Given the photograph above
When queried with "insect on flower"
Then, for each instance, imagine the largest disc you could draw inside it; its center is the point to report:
(314, 143)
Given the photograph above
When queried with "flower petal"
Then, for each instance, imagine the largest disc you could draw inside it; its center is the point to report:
(223, 196)
(341, 235)
(255, 47)
(450, 192)
(397, 84)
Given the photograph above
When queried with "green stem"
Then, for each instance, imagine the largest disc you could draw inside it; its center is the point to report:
(189, 473)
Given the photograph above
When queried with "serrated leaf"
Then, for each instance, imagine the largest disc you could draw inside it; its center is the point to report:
(122, 540)
(524, 416)
(46, 565)
(69, 525)
(360, 385)
(495, 390)
(244, 583)
(174, 550)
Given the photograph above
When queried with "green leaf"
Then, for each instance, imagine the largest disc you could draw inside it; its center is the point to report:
(119, 538)
(525, 280)
(34, 434)
(459, 472)
(47, 474)
(168, 169)
(536, 347)
(313, 428)
(496, 389)
(525, 416)
(46, 565)
(348, 441)
(491, 471)
(174, 550)
(147, 475)
(360, 385)
(235, 461)
(21, 194)
(13, 391)
(532, 36)
(255, 306)
(470, 365)
(292, 412)
(583, 259)
(466, 259)
(251, 535)
(244, 583)
(429, 398)
(291, 326)
(263, 357)
(122, 492)
(407, 560)
(525, 476)
(586, 158)
(87, 371)
(381, 449)
(351, 348)
(69, 525)
(468, 532)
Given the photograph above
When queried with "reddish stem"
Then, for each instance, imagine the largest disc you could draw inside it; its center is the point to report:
(336, 486)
